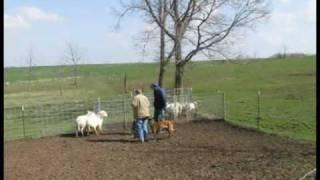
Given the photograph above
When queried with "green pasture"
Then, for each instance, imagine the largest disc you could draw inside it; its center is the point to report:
(287, 86)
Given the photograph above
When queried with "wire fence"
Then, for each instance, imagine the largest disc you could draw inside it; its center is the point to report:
(292, 115)
(56, 119)
(42, 120)
(260, 111)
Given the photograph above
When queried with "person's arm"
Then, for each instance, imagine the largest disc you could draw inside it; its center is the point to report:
(154, 98)
(148, 102)
(134, 103)
(162, 95)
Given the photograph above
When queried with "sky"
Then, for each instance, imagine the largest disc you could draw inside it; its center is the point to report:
(45, 27)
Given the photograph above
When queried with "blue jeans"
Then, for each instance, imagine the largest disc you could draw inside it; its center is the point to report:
(159, 114)
(134, 129)
(142, 128)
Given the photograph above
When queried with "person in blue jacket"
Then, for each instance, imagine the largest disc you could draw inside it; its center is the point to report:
(160, 102)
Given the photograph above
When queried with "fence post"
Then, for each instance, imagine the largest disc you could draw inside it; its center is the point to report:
(23, 127)
(44, 126)
(258, 112)
(189, 115)
(98, 104)
(174, 101)
(125, 114)
(224, 105)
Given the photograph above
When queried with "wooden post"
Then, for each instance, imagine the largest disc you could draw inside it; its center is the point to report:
(43, 128)
(125, 114)
(125, 83)
(23, 126)
(98, 104)
(224, 106)
(174, 101)
(124, 101)
(258, 112)
(190, 95)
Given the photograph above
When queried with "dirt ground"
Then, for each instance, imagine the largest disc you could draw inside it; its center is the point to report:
(202, 150)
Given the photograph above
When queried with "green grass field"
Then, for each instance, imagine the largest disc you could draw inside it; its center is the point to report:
(288, 88)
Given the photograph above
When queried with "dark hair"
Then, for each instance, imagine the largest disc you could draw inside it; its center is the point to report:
(138, 91)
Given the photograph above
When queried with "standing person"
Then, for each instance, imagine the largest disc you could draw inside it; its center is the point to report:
(134, 124)
(140, 105)
(159, 103)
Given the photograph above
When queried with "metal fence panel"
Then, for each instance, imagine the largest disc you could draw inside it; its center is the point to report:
(210, 106)
(13, 124)
(54, 119)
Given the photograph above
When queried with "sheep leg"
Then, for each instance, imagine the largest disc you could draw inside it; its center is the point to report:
(88, 130)
(100, 129)
(81, 130)
(77, 130)
(95, 131)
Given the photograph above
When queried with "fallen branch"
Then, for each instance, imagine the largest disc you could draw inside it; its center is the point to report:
(313, 172)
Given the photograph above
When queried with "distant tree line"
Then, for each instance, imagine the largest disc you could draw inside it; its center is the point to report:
(289, 55)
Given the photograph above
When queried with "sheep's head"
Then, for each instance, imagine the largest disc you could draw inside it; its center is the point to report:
(103, 114)
(195, 103)
(90, 112)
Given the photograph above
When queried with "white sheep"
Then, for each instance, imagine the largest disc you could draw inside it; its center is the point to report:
(82, 122)
(174, 108)
(189, 108)
(95, 121)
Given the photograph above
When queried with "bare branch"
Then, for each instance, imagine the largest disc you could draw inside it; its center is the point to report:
(73, 55)
(129, 8)
(247, 13)
(201, 26)
(151, 11)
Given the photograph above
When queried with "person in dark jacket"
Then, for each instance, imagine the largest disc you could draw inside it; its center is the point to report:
(160, 102)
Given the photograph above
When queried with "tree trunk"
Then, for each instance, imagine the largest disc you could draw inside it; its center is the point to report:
(179, 66)
(179, 76)
(177, 45)
(161, 74)
(162, 43)
(75, 76)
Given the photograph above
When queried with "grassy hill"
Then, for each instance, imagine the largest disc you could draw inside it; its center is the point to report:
(287, 88)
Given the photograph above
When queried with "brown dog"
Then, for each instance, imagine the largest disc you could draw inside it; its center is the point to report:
(164, 124)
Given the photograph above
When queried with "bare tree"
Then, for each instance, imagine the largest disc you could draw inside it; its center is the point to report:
(166, 51)
(60, 73)
(30, 59)
(74, 56)
(200, 26)
(162, 19)
(164, 58)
